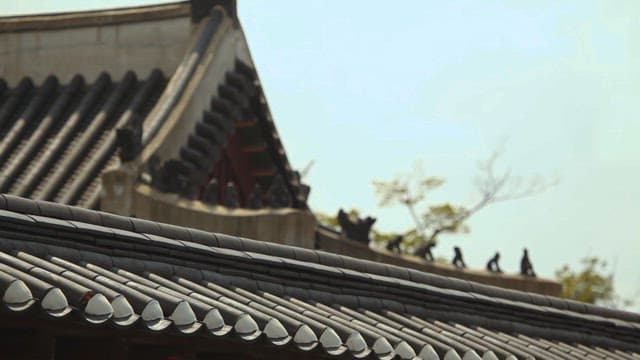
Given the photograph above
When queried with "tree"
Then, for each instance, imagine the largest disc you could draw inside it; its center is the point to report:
(492, 186)
(591, 285)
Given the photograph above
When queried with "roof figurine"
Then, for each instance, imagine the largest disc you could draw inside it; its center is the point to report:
(394, 245)
(210, 195)
(424, 251)
(231, 196)
(255, 198)
(526, 268)
(357, 230)
(458, 261)
(493, 265)
(277, 194)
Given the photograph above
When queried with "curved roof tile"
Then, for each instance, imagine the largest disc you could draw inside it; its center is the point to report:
(127, 271)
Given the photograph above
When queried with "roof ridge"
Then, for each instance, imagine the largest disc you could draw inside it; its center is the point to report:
(99, 17)
(306, 257)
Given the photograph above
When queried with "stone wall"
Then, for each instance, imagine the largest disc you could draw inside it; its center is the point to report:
(122, 195)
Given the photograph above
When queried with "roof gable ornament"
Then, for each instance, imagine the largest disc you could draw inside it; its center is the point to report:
(357, 230)
(255, 198)
(129, 139)
(210, 195)
(231, 197)
(202, 8)
(278, 194)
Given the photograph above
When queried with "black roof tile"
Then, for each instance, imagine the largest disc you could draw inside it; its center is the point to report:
(329, 259)
(130, 236)
(84, 215)
(13, 217)
(54, 223)
(174, 232)
(55, 210)
(145, 226)
(253, 246)
(306, 255)
(93, 229)
(21, 205)
(56, 139)
(229, 242)
(115, 221)
(280, 250)
(203, 237)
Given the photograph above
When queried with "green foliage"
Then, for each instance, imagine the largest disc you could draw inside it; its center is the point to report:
(592, 284)
(431, 221)
(380, 238)
(411, 191)
(589, 285)
(404, 192)
(327, 220)
(446, 218)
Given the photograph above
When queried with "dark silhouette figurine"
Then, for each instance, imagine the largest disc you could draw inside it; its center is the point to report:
(255, 198)
(424, 251)
(355, 230)
(129, 139)
(231, 196)
(278, 194)
(210, 194)
(457, 258)
(394, 245)
(526, 268)
(174, 176)
(493, 265)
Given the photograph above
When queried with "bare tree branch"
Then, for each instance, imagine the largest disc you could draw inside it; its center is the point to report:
(495, 186)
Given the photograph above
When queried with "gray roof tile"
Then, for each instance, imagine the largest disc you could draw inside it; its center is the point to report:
(371, 307)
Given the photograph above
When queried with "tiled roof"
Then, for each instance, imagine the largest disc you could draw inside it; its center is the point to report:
(235, 140)
(56, 139)
(132, 272)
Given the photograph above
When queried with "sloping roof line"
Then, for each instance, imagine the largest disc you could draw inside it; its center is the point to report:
(110, 289)
(316, 269)
(184, 73)
(27, 109)
(128, 292)
(233, 103)
(68, 20)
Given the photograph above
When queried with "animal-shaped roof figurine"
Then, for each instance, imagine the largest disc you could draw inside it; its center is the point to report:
(493, 265)
(458, 261)
(424, 251)
(356, 230)
(526, 268)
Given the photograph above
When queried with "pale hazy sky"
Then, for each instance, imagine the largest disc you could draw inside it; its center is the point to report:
(366, 89)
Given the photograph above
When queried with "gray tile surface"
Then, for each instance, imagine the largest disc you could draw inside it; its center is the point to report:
(112, 272)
